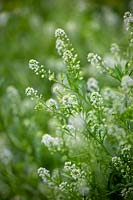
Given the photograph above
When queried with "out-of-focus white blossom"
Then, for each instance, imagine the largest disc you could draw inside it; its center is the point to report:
(109, 61)
(57, 88)
(94, 59)
(108, 94)
(5, 155)
(114, 49)
(12, 92)
(70, 127)
(126, 82)
(51, 104)
(53, 123)
(110, 17)
(84, 190)
(92, 85)
(77, 121)
(4, 17)
(50, 141)
(71, 26)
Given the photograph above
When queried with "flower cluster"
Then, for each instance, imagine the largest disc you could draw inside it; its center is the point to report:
(78, 187)
(57, 89)
(96, 100)
(126, 82)
(69, 101)
(92, 85)
(96, 125)
(128, 23)
(44, 174)
(31, 92)
(36, 68)
(39, 70)
(123, 162)
(75, 172)
(65, 49)
(115, 49)
(60, 33)
(94, 59)
(49, 141)
(128, 20)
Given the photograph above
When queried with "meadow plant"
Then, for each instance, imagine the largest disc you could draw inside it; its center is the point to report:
(92, 124)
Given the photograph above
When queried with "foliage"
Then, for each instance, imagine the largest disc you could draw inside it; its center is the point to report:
(91, 126)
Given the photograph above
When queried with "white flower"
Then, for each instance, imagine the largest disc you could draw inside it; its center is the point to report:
(92, 85)
(50, 141)
(109, 61)
(60, 46)
(69, 100)
(29, 91)
(44, 174)
(76, 121)
(60, 33)
(114, 49)
(70, 127)
(12, 92)
(126, 82)
(84, 190)
(94, 59)
(96, 100)
(57, 88)
(63, 185)
(34, 65)
(74, 171)
(67, 56)
(65, 49)
(128, 20)
(51, 104)
(4, 17)
(109, 94)
(67, 165)
(36, 68)
(5, 155)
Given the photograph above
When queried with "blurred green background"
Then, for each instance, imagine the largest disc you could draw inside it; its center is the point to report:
(27, 31)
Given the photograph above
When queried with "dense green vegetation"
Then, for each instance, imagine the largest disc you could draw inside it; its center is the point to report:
(27, 31)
